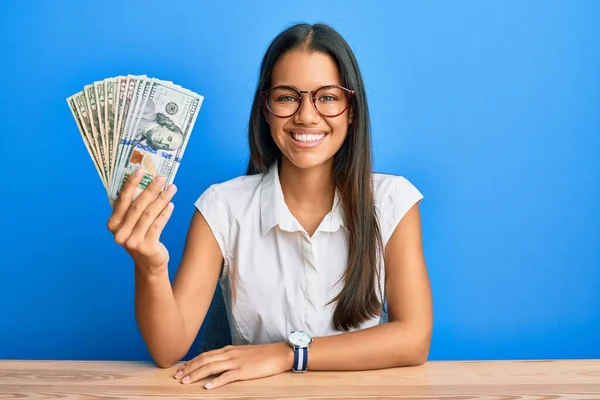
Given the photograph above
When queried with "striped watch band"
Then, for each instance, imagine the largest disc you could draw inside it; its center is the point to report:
(300, 359)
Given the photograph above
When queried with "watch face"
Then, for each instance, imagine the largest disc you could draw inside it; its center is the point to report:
(300, 339)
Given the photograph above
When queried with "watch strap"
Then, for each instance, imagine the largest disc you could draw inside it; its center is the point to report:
(300, 359)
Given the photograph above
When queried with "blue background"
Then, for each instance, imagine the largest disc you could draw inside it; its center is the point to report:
(492, 109)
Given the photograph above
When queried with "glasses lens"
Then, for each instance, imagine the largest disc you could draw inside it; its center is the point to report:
(331, 101)
(283, 101)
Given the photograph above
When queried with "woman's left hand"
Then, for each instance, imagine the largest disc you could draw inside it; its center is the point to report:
(237, 363)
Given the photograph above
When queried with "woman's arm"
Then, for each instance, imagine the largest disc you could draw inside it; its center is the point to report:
(168, 316)
(406, 338)
(403, 341)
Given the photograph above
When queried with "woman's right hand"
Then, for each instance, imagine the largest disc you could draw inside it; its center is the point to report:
(137, 225)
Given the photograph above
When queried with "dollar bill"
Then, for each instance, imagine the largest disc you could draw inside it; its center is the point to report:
(143, 93)
(109, 121)
(121, 91)
(86, 142)
(140, 93)
(161, 135)
(99, 88)
(86, 122)
(130, 90)
(92, 103)
(134, 117)
(128, 110)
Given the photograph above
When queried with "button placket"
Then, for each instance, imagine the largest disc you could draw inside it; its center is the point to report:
(312, 285)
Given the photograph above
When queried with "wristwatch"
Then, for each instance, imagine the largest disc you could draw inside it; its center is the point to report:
(300, 341)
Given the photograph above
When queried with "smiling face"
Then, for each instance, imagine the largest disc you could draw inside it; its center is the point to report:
(307, 139)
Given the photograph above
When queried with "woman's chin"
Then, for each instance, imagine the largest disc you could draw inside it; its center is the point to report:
(308, 161)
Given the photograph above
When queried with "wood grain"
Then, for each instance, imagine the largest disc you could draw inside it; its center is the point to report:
(494, 380)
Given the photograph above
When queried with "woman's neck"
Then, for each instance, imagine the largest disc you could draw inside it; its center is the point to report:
(307, 190)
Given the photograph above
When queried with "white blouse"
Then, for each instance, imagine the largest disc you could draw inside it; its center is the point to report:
(276, 278)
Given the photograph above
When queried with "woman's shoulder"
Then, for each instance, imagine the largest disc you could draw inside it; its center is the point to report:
(233, 193)
(394, 196)
(393, 185)
(238, 185)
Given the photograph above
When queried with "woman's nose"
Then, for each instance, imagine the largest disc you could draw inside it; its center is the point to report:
(307, 114)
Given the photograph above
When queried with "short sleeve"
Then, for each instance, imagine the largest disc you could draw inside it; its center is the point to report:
(216, 214)
(398, 195)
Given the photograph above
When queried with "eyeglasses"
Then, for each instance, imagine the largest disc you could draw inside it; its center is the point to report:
(329, 101)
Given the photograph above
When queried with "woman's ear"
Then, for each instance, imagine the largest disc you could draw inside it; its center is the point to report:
(351, 116)
(267, 115)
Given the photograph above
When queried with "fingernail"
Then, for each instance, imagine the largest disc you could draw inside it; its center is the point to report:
(161, 179)
(186, 379)
(139, 171)
(172, 188)
(209, 385)
(178, 374)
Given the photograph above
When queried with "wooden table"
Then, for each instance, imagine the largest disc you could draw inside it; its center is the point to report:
(434, 380)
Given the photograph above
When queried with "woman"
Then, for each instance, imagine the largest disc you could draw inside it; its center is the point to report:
(306, 246)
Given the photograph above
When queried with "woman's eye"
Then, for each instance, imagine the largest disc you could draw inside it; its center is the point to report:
(286, 98)
(327, 98)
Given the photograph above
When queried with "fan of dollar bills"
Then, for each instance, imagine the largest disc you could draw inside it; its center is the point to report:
(128, 122)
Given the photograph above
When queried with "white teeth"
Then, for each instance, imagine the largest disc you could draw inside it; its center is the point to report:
(307, 138)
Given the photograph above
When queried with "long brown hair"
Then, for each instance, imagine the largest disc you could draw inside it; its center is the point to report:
(352, 172)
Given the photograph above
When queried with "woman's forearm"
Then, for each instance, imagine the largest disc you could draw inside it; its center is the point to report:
(159, 319)
(393, 344)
